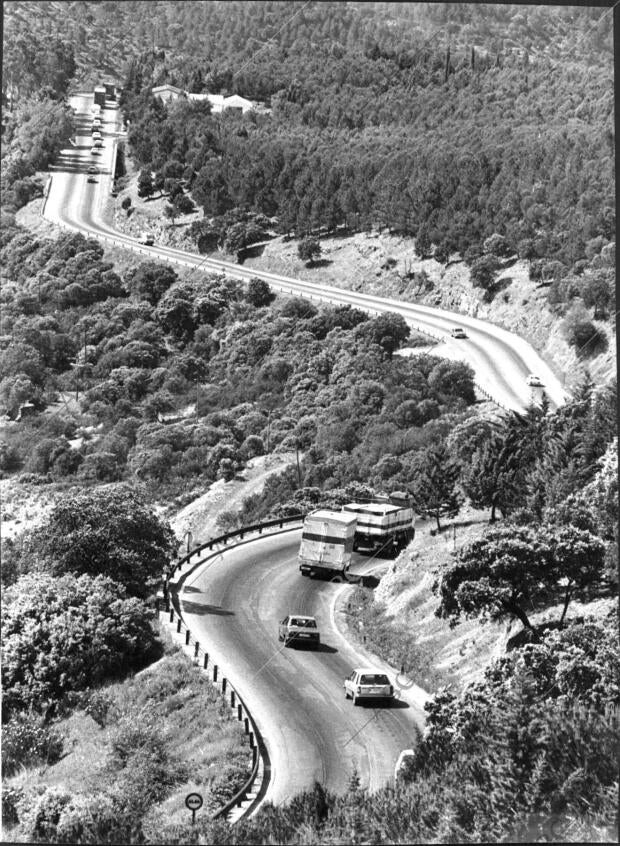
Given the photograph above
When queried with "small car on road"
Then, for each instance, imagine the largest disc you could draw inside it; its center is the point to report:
(299, 629)
(458, 332)
(367, 683)
(534, 381)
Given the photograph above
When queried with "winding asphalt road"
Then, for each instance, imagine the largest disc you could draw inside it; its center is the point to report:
(500, 359)
(234, 603)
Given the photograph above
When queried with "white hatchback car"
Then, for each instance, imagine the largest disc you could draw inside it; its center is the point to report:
(534, 381)
(299, 629)
(366, 683)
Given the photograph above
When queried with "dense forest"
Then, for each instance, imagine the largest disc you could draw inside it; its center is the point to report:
(448, 141)
(481, 131)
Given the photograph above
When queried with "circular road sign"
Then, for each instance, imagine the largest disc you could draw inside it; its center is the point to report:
(193, 801)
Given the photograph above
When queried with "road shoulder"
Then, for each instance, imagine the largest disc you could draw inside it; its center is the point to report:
(407, 690)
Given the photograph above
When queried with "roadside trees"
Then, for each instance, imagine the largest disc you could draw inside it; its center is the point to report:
(65, 634)
(107, 531)
(309, 250)
(433, 483)
(508, 570)
(388, 330)
(484, 270)
(150, 280)
(259, 293)
(145, 184)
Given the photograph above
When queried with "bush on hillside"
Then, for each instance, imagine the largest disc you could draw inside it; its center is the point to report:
(66, 634)
(107, 532)
(28, 739)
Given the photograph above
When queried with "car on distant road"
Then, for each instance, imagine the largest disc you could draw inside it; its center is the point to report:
(147, 238)
(458, 332)
(534, 381)
(299, 629)
(367, 683)
(92, 169)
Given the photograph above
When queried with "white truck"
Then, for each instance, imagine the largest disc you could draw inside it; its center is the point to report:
(383, 525)
(326, 544)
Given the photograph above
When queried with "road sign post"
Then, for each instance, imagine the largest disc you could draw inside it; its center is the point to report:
(194, 803)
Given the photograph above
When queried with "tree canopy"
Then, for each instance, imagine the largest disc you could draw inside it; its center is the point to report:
(66, 633)
(513, 568)
(107, 532)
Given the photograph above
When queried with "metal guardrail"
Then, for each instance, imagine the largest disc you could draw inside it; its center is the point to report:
(216, 672)
(236, 533)
(234, 701)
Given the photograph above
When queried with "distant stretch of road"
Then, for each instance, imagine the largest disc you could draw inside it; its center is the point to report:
(501, 360)
(234, 604)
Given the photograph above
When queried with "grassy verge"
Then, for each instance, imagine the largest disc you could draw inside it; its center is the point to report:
(394, 642)
(397, 620)
(132, 753)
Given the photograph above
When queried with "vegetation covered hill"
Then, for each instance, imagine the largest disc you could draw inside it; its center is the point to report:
(483, 132)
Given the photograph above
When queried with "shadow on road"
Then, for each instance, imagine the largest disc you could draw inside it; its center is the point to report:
(387, 705)
(202, 608)
(323, 647)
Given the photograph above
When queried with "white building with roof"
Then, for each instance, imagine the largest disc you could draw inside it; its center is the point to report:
(169, 93)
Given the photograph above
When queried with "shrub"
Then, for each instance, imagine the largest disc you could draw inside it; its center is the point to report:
(12, 798)
(497, 245)
(309, 250)
(229, 780)
(98, 706)
(27, 739)
(109, 532)
(484, 270)
(66, 634)
(587, 338)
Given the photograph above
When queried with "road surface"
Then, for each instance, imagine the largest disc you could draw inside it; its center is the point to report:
(234, 604)
(500, 359)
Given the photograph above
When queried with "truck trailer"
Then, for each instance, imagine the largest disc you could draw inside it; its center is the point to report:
(99, 96)
(384, 524)
(327, 544)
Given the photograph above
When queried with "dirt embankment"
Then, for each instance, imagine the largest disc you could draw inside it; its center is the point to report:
(200, 516)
